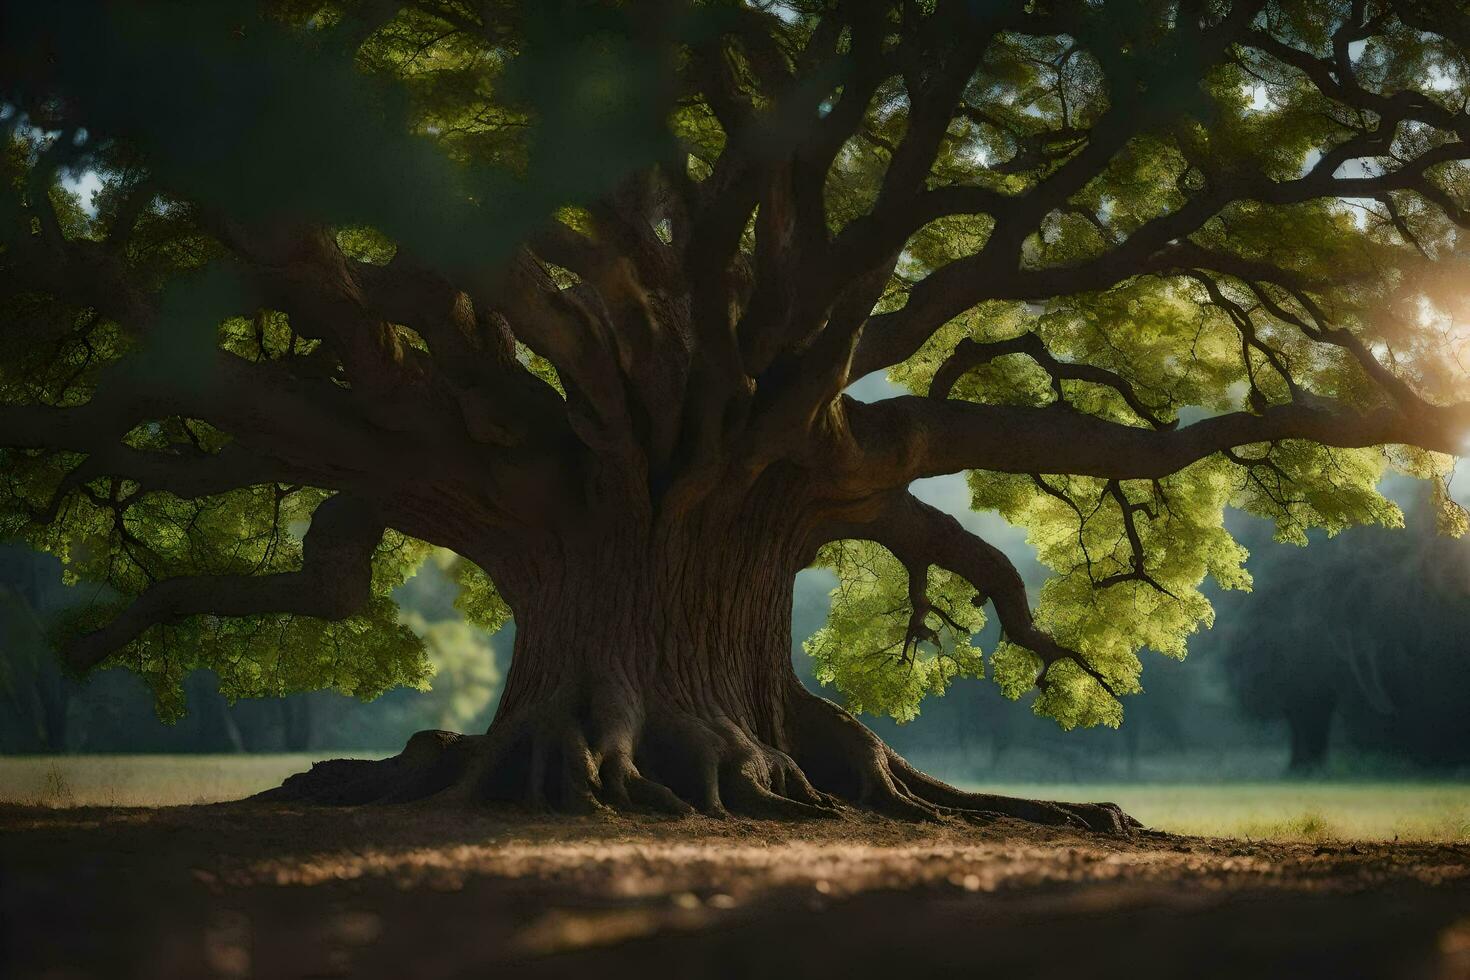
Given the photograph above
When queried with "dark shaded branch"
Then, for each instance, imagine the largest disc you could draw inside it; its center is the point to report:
(334, 582)
(1321, 330)
(184, 474)
(1250, 340)
(1333, 82)
(1157, 245)
(572, 329)
(1144, 96)
(970, 354)
(563, 245)
(299, 269)
(920, 535)
(918, 629)
(625, 219)
(286, 428)
(1138, 558)
(902, 439)
(473, 351)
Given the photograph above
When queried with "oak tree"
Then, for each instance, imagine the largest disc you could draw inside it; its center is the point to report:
(576, 290)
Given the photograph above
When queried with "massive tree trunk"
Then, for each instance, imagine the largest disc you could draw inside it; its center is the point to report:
(652, 671)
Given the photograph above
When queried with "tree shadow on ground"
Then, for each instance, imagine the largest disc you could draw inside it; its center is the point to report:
(262, 890)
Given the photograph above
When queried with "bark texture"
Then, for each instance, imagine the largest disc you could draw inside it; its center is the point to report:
(652, 672)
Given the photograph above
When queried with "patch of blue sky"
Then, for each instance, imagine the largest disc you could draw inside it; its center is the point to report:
(83, 185)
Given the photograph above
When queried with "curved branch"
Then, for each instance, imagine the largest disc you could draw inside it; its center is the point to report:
(286, 428)
(1250, 340)
(472, 348)
(571, 329)
(186, 475)
(920, 535)
(1137, 556)
(970, 354)
(898, 440)
(334, 582)
(1158, 245)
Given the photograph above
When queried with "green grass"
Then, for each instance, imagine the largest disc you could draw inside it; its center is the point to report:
(1283, 810)
(147, 780)
(1280, 810)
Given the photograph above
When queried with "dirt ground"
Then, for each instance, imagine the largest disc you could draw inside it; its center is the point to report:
(253, 890)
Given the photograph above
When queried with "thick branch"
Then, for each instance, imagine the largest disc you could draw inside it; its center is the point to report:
(286, 429)
(1157, 245)
(920, 535)
(902, 439)
(473, 351)
(333, 583)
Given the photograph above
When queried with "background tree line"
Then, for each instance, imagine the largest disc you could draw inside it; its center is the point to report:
(48, 711)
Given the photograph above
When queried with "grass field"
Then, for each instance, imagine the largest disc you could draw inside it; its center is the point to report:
(1279, 810)
(147, 780)
(1284, 810)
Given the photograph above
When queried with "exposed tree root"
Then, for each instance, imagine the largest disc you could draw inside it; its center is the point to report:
(677, 764)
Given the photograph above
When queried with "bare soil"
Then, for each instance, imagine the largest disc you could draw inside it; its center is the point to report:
(258, 890)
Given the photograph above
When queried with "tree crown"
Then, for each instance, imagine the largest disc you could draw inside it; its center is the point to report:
(362, 278)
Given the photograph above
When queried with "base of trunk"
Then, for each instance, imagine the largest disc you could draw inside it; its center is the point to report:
(675, 763)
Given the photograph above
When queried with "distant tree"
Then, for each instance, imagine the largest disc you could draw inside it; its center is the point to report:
(35, 692)
(576, 289)
(47, 711)
(1366, 632)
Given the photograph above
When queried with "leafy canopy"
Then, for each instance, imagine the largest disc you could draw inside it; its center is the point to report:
(1142, 215)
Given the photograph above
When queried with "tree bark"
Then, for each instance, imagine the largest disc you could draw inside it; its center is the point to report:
(652, 671)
